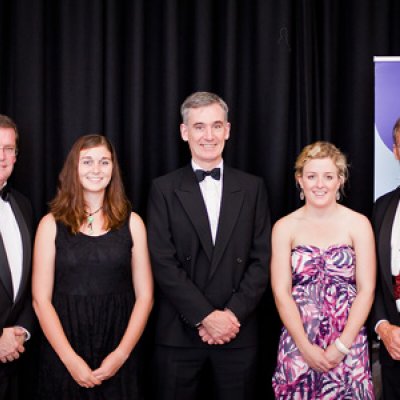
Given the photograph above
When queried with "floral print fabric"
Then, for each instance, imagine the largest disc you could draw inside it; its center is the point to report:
(324, 289)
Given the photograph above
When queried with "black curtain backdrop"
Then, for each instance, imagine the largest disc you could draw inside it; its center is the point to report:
(292, 72)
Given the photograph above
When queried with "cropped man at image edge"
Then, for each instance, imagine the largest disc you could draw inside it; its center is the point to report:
(209, 241)
(385, 316)
(16, 225)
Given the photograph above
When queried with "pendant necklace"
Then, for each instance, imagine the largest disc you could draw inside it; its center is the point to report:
(90, 219)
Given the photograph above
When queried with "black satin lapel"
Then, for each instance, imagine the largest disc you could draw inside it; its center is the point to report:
(231, 204)
(5, 272)
(26, 246)
(384, 242)
(192, 202)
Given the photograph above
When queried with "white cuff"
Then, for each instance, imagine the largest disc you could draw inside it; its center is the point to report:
(27, 334)
(376, 326)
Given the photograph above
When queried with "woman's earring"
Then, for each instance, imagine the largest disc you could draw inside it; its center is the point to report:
(337, 195)
(301, 195)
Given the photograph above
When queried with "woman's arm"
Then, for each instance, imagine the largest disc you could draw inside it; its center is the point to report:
(364, 246)
(281, 281)
(143, 286)
(42, 291)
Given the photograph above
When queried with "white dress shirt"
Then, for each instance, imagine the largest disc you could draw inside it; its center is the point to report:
(211, 190)
(395, 248)
(12, 243)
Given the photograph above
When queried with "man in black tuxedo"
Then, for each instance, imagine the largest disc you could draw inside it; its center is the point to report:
(16, 313)
(209, 241)
(385, 315)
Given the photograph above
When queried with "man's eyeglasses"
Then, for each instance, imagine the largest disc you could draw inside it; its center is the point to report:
(9, 150)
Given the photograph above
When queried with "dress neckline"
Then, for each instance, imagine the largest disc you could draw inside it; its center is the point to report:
(323, 249)
(95, 236)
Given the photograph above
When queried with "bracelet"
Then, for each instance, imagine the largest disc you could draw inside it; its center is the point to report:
(341, 347)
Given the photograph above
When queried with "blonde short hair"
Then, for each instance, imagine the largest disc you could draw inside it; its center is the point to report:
(320, 150)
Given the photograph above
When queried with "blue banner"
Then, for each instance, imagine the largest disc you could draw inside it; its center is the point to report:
(387, 111)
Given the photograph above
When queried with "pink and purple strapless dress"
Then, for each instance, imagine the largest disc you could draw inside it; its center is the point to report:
(324, 289)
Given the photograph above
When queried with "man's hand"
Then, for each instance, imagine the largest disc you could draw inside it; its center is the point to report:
(11, 344)
(219, 327)
(390, 336)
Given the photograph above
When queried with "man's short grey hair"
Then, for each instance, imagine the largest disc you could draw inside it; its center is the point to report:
(395, 132)
(202, 99)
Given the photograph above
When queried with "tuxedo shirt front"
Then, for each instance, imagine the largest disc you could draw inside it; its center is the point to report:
(11, 236)
(211, 189)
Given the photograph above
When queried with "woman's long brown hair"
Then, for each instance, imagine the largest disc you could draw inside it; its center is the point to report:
(68, 206)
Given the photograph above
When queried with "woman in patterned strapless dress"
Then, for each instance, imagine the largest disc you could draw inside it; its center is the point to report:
(323, 280)
(92, 282)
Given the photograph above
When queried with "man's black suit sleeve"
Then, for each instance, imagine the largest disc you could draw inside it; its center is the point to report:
(254, 282)
(171, 278)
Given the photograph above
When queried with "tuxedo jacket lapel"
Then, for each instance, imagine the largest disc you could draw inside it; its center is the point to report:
(192, 202)
(384, 241)
(26, 245)
(231, 202)
(5, 272)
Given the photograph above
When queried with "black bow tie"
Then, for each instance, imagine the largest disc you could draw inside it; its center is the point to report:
(214, 173)
(4, 193)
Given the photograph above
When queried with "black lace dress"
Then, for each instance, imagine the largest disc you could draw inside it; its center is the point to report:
(93, 297)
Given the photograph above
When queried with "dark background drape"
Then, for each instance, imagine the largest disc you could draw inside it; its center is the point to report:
(292, 72)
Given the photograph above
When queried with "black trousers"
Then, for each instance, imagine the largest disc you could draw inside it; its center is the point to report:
(390, 382)
(9, 388)
(223, 373)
